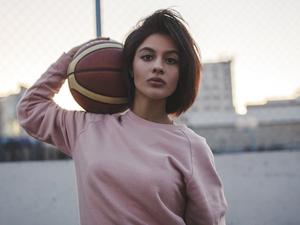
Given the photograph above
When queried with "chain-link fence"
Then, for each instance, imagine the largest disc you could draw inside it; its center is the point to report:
(250, 50)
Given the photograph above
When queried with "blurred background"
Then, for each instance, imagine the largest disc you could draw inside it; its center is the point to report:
(248, 108)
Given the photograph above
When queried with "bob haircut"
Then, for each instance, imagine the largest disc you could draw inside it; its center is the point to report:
(167, 22)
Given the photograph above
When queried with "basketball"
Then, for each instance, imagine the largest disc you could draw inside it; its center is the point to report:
(95, 77)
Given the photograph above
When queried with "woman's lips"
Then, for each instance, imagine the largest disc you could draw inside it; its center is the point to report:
(156, 82)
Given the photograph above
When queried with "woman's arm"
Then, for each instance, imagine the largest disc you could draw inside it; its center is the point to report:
(206, 204)
(41, 117)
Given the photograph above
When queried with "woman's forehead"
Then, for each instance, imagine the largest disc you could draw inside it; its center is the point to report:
(158, 43)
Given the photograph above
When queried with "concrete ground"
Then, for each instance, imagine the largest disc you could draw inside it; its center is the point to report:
(261, 189)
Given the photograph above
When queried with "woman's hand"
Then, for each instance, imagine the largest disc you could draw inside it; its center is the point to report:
(73, 51)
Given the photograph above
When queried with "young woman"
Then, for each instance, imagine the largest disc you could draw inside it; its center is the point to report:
(139, 166)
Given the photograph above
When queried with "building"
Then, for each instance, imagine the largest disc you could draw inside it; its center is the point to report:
(278, 123)
(274, 125)
(214, 104)
(15, 143)
(276, 111)
(8, 119)
(213, 115)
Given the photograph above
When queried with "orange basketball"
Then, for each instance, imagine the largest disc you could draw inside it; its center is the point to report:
(95, 77)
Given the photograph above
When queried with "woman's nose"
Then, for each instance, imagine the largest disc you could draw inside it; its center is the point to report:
(158, 67)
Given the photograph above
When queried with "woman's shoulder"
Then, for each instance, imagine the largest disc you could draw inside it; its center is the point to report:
(97, 117)
(198, 143)
(192, 135)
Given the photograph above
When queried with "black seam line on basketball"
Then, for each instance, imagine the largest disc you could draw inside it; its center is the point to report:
(108, 47)
(105, 96)
(103, 48)
(96, 70)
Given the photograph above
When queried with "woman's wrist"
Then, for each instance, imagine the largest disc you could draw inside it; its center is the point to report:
(73, 51)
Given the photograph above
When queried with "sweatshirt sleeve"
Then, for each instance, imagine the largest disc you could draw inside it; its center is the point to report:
(41, 117)
(206, 203)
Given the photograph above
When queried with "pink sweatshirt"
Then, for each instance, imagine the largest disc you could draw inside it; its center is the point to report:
(129, 171)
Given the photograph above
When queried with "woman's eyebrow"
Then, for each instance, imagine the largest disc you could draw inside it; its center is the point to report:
(152, 50)
(146, 49)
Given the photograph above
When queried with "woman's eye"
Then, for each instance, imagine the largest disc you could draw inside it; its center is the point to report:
(171, 61)
(147, 57)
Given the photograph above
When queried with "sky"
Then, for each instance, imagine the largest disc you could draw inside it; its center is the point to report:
(260, 37)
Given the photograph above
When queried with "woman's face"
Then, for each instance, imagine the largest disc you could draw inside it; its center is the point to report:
(156, 68)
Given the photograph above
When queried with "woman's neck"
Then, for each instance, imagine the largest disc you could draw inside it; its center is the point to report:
(154, 111)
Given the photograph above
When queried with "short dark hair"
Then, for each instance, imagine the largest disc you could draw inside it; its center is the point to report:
(168, 22)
